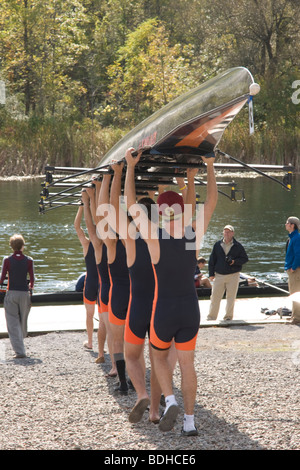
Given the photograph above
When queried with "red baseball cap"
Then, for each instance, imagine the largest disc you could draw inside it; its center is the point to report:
(170, 204)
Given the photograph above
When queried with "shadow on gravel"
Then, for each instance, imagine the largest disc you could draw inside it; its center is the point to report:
(24, 362)
(214, 433)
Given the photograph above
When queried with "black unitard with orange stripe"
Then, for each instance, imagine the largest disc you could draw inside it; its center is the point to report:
(141, 295)
(90, 290)
(119, 286)
(176, 311)
(104, 282)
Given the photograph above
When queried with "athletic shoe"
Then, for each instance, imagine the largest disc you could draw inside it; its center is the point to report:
(193, 432)
(168, 419)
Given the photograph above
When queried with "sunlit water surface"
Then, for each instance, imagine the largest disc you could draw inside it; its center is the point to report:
(52, 241)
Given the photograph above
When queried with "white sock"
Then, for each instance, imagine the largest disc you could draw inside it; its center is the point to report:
(188, 423)
(170, 400)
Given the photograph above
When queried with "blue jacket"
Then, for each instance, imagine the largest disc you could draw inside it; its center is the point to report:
(217, 261)
(292, 257)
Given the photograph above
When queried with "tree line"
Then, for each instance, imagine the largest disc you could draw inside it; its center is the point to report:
(80, 73)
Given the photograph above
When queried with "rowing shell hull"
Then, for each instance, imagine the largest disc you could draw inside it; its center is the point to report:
(191, 125)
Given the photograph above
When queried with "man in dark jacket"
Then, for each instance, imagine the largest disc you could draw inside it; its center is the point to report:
(225, 264)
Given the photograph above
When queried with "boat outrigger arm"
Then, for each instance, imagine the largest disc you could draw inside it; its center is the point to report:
(287, 180)
(71, 185)
(173, 139)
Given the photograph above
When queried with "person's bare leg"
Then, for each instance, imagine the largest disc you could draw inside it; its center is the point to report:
(164, 374)
(155, 392)
(172, 357)
(188, 388)
(90, 309)
(163, 370)
(101, 336)
(188, 380)
(109, 340)
(135, 366)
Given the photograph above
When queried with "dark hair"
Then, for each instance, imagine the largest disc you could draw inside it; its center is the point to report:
(150, 206)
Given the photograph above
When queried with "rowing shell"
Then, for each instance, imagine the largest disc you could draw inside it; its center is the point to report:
(173, 138)
(192, 125)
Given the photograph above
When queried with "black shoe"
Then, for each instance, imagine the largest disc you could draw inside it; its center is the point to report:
(121, 388)
(193, 432)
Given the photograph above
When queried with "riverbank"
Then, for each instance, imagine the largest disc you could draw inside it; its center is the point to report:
(248, 396)
(50, 318)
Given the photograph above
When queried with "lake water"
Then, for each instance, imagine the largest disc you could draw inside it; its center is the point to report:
(52, 241)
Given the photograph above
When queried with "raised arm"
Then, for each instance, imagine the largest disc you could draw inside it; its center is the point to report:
(87, 196)
(92, 193)
(103, 212)
(211, 192)
(119, 216)
(129, 189)
(79, 230)
(206, 210)
(182, 187)
(97, 183)
(190, 193)
(146, 227)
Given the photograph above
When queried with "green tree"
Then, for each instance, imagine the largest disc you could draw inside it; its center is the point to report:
(39, 44)
(265, 33)
(148, 72)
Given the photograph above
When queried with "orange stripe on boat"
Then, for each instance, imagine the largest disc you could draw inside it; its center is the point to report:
(198, 135)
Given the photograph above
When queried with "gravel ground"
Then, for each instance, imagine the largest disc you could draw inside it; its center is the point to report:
(248, 395)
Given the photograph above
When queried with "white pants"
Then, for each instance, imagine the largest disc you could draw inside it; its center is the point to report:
(222, 283)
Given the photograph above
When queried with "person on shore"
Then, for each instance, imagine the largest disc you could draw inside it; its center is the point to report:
(140, 301)
(140, 304)
(79, 286)
(225, 264)
(200, 279)
(292, 262)
(89, 197)
(17, 301)
(90, 290)
(119, 281)
(175, 314)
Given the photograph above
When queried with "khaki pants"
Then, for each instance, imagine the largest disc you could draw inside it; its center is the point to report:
(17, 307)
(222, 283)
(294, 281)
(294, 286)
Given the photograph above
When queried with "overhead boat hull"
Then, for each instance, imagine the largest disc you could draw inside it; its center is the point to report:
(192, 125)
